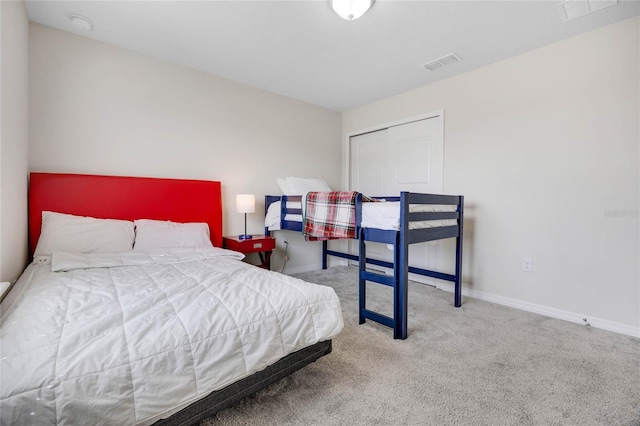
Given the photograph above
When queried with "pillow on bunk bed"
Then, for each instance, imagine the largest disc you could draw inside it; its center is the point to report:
(83, 234)
(300, 186)
(162, 234)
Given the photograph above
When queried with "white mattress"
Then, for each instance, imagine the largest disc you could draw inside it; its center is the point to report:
(384, 215)
(131, 338)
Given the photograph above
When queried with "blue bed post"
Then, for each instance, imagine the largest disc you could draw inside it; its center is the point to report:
(324, 254)
(401, 272)
(458, 282)
(362, 283)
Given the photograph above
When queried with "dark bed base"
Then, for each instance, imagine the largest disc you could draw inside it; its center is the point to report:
(223, 398)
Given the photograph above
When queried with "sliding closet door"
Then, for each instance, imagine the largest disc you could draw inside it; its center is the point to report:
(415, 162)
(414, 158)
(367, 165)
(407, 157)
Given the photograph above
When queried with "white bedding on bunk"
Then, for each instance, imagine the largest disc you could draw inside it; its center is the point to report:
(130, 338)
(385, 215)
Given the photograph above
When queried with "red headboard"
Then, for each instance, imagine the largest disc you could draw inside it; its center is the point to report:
(128, 198)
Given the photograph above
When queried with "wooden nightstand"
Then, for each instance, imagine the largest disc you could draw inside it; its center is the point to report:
(261, 244)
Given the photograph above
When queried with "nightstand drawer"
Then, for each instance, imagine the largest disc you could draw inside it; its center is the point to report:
(259, 243)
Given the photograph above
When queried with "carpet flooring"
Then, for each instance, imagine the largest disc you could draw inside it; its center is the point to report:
(481, 364)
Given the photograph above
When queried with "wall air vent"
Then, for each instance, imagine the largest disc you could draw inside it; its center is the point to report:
(572, 9)
(441, 62)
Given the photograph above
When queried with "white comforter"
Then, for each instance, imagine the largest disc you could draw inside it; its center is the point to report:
(129, 338)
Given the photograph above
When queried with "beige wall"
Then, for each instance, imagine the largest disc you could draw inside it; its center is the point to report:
(14, 34)
(544, 146)
(100, 109)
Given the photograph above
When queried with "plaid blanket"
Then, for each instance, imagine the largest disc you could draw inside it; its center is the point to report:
(330, 215)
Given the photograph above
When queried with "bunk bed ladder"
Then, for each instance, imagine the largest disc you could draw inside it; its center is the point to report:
(398, 282)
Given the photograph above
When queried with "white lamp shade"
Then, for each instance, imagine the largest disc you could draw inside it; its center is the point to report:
(351, 9)
(245, 203)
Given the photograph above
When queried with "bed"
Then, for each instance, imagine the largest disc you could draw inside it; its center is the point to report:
(156, 335)
(399, 221)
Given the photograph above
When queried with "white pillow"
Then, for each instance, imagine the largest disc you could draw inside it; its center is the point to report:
(159, 234)
(81, 234)
(300, 186)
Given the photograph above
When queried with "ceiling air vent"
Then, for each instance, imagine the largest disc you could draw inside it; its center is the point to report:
(441, 62)
(572, 9)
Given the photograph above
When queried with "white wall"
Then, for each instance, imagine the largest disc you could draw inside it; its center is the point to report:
(545, 148)
(100, 109)
(14, 34)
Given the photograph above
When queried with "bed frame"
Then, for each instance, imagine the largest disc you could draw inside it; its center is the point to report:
(400, 240)
(178, 200)
(223, 398)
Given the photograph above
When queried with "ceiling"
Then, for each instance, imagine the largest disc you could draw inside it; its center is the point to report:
(303, 50)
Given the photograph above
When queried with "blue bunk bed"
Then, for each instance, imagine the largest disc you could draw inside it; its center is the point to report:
(400, 239)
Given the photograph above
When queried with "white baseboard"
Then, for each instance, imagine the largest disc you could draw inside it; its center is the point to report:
(600, 323)
(302, 269)
(4, 289)
(573, 317)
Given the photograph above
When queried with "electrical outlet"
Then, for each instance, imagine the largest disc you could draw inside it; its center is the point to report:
(527, 264)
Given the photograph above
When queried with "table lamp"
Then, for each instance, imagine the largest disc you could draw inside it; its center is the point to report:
(245, 203)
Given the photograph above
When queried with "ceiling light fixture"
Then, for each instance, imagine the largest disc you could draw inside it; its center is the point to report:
(81, 22)
(351, 9)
